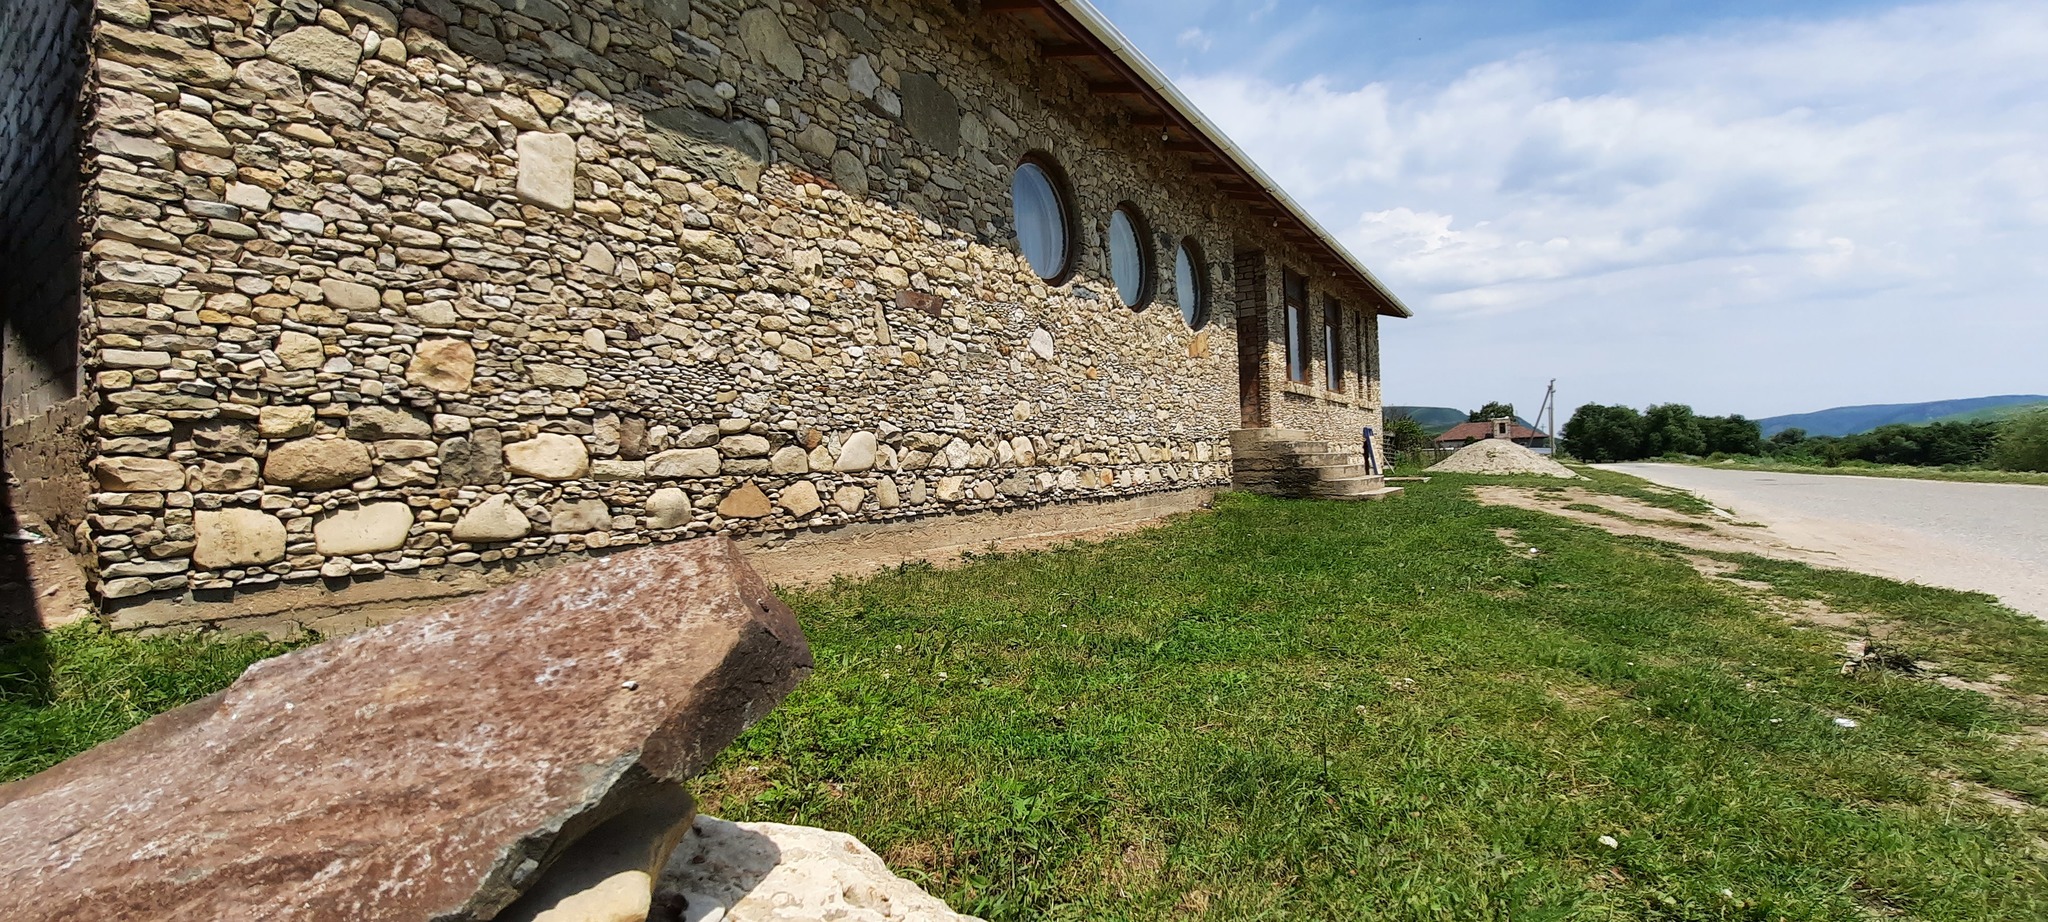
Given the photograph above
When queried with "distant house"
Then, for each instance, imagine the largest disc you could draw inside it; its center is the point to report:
(1464, 434)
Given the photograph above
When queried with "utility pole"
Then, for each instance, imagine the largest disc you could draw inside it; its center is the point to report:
(1549, 405)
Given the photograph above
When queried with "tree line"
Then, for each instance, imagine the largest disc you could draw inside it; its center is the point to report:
(1601, 433)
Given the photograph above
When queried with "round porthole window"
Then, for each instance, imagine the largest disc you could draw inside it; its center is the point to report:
(1040, 210)
(1190, 274)
(1130, 258)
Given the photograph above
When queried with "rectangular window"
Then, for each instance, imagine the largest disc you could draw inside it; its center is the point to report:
(1364, 351)
(1333, 346)
(1295, 288)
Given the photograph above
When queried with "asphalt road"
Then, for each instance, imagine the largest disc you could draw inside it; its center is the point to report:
(1985, 537)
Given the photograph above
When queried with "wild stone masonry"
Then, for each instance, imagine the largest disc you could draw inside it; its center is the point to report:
(386, 288)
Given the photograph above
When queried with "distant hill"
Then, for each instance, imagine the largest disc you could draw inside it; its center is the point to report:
(1993, 414)
(1852, 420)
(1438, 420)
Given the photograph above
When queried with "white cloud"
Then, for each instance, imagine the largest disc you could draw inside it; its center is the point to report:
(1196, 39)
(1885, 172)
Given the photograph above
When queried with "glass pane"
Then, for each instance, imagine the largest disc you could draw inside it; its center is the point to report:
(1126, 259)
(1297, 362)
(1041, 221)
(1187, 283)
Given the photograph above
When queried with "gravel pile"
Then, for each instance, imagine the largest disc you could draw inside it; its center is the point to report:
(1500, 456)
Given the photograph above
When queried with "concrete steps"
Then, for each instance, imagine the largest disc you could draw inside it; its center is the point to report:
(1290, 462)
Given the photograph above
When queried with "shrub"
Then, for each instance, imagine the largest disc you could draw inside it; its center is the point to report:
(2023, 443)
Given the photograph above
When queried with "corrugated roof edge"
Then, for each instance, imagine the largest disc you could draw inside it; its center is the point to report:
(1107, 33)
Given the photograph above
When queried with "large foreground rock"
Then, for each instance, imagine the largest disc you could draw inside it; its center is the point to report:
(430, 769)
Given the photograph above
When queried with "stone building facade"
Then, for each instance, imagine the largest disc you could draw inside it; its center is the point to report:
(377, 287)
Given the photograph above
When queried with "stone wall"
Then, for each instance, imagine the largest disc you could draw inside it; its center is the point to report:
(385, 289)
(42, 61)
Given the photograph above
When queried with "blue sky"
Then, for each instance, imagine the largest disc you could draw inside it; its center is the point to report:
(1751, 207)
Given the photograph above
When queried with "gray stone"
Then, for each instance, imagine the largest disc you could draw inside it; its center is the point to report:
(548, 456)
(319, 50)
(547, 170)
(494, 519)
(768, 42)
(684, 462)
(668, 507)
(572, 517)
(477, 459)
(378, 422)
(674, 14)
(236, 538)
(931, 113)
(369, 529)
(734, 151)
(817, 140)
(317, 463)
(267, 79)
(849, 174)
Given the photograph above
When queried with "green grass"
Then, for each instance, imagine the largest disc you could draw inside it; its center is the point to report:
(65, 691)
(1866, 469)
(1309, 710)
(1290, 709)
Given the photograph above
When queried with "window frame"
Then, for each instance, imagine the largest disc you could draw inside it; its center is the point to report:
(1294, 297)
(1148, 263)
(1333, 344)
(1063, 199)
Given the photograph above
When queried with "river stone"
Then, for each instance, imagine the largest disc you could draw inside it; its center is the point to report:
(445, 365)
(746, 502)
(789, 459)
(849, 498)
(801, 498)
(284, 422)
(548, 456)
(223, 538)
(684, 462)
(192, 132)
(319, 50)
(547, 170)
(164, 57)
(349, 296)
(138, 475)
(300, 351)
(857, 455)
(317, 463)
(226, 476)
(373, 423)
(768, 872)
(370, 529)
(668, 507)
(568, 517)
(494, 519)
(429, 769)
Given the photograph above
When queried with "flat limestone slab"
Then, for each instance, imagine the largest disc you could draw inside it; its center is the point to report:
(770, 872)
(428, 769)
